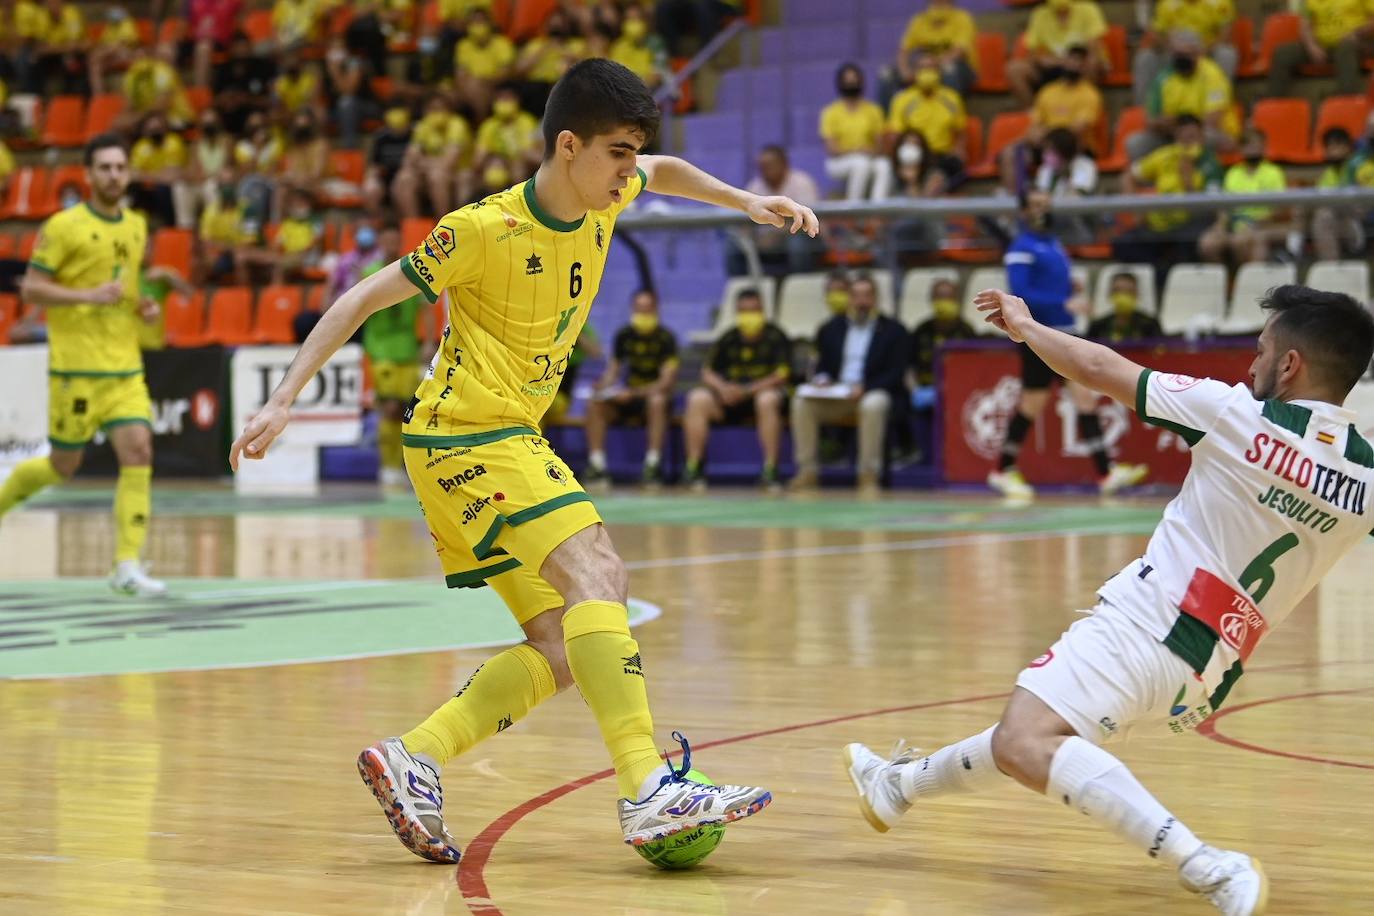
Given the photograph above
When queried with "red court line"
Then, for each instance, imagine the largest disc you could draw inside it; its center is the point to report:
(471, 880)
(1208, 728)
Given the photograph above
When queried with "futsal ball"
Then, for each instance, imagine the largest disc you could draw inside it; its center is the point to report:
(687, 848)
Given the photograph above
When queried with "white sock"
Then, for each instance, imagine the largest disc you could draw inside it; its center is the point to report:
(597, 459)
(651, 456)
(1088, 778)
(965, 766)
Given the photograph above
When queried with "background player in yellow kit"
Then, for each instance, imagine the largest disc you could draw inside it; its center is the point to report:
(85, 271)
(521, 268)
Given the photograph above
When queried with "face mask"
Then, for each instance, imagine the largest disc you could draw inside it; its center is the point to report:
(398, 119)
(505, 108)
(427, 44)
(210, 131)
(1123, 303)
(927, 80)
(1185, 65)
(838, 301)
(480, 31)
(1072, 76)
(70, 198)
(157, 136)
(365, 237)
(851, 90)
(496, 177)
(1254, 158)
(909, 154)
(643, 323)
(750, 324)
(945, 309)
(303, 133)
(292, 70)
(1334, 161)
(635, 29)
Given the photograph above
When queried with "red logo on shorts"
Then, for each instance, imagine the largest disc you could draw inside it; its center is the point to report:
(499, 497)
(1043, 660)
(1176, 382)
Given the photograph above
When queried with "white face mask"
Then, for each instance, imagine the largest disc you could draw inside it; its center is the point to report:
(909, 154)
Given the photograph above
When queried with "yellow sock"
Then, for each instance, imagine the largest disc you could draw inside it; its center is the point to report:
(389, 443)
(498, 695)
(605, 663)
(27, 478)
(133, 503)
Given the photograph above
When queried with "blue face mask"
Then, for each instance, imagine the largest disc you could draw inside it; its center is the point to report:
(366, 238)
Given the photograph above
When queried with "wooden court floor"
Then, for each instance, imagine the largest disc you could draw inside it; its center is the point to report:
(785, 628)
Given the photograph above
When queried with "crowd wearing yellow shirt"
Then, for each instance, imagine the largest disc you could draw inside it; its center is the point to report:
(1056, 26)
(947, 33)
(1336, 32)
(1210, 20)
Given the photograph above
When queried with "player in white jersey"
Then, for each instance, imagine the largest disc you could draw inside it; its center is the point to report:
(1278, 491)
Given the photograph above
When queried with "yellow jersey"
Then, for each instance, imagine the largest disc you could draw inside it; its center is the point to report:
(486, 62)
(122, 33)
(520, 284)
(450, 10)
(634, 56)
(224, 225)
(1208, 18)
(298, 93)
(938, 117)
(80, 249)
(438, 131)
(32, 20)
(511, 138)
(296, 20)
(147, 80)
(6, 161)
(1164, 169)
(1061, 103)
(1242, 179)
(1206, 92)
(1332, 20)
(148, 156)
(938, 30)
(1048, 34)
(297, 235)
(850, 130)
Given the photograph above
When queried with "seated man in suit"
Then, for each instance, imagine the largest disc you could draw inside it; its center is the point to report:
(859, 375)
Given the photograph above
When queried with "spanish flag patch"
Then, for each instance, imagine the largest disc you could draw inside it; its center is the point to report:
(1326, 438)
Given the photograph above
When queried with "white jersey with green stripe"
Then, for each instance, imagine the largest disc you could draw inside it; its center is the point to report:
(1278, 491)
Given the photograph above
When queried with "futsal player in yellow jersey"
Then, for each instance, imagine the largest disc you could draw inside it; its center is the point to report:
(521, 268)
(85, 272)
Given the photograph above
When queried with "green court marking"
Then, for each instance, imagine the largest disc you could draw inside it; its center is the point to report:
(734, 510)
(77, 627)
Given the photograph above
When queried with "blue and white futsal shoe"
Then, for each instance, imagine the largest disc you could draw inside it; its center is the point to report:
(408, 791)
(671, 803)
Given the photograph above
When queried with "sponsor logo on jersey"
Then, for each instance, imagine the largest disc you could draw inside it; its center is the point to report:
(1326, 438)
(1176, 382)
(532, 266)
(1179, 707)
(555, 473)
(1043, 660)
(600, 237)
(474, 509)
(421, 268)
(1344, 491)
(445, 455)
(467, 475)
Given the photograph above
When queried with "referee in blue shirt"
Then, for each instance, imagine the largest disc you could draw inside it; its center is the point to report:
(1038, 271)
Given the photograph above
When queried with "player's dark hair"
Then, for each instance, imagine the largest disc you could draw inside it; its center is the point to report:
(1336, 135)
(595, 97)
(103, 141)
(838, 275)
(1186, 120)
(646, 291)
(748, 293)
(863, 276)
(776, 150)
(1333, 332)
(1125, 275)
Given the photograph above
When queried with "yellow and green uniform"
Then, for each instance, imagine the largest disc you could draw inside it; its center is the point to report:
(223, 225)
(510, 139)
(1208, 18)
(150, 156)
(487, 61)
(33, 21)
(938, 117)
(439, 131)
(1163, 169)
(149, 79)
(95, 368)
(296, 92)
(1241, 180)
(1333, 20)
(938, 30)
(296, 236)
(851, 129)
(551, 57)
(520, 284)
(1201, 95)
(1048, 34)
(124, 32)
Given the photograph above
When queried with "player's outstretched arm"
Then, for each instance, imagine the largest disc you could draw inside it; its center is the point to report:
(383, 289)
(679, 178)
(1099, 368)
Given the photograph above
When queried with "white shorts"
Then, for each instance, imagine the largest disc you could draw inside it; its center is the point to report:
(1106, 675)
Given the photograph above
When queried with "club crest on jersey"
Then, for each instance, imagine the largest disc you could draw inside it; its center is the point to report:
(600, 237)
(1178, 382)
(556, 474)
(440, 243)
(532, 266)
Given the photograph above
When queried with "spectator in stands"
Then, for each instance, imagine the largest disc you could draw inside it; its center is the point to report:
(433, 164)
(212, 24)
(645, 353)
(348, 268)
(6, 169)
(917, 176)
(296, 246)
(936, 112)
(348, 84)
(152, 85)
(1055, 27)
(1336, 33)
(1191, 85)
(493, 175)
(375, 22)
(157, 181)
(1248, 233)
(744, 379)
(258, 156)
(852, 128)
(305, 159)
(944, 33)
(860, 371)
(1340, 231)
(1167, 237)
(222, 231)
(639, 49)
(385, 159)
(116, 48)
(54, 46)
(242, 83)
(212, 158)
(837, 292)
(1210, 20)
(1070, 100)
(295, 23)
(780, 252)
(1127, 321)
(677, 20)
(944, 324)
(511, 134)
(482, 59)
(544, 59)
(297, 87)
(1057, 165)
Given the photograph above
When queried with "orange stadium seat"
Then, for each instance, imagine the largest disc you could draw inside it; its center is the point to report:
(65, 122)
(383, 87)
(1279, 29)
(172, 248)
(526, 18)
(28, 186)
(973, 139)
(345, 240)
(1347, 111)
(1131, 120)
(413, 231)
(199, 97)
(1118, 58)
(1005, 129)
(9, 314)
(172, 30)
(314, 299)
(1286, 123)
(257, 25)
(278, 306)
(26, 243)
(346, 165)
(64, 176)
(991, 49)
(147, 32)
(185, 319)
(102, 113)
(230, 319)
(1243, 40)
(9, 246)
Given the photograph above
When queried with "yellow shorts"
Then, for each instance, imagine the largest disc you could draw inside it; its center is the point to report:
(497, 504)
(78, 405)
(395, 381)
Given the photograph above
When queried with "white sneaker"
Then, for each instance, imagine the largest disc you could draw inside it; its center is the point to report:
(1121, 476)
(130, 578)
(394, 477)
(1233, 881)
(672, 803)
(878, 783)
(1011, 484)
(409, 793)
